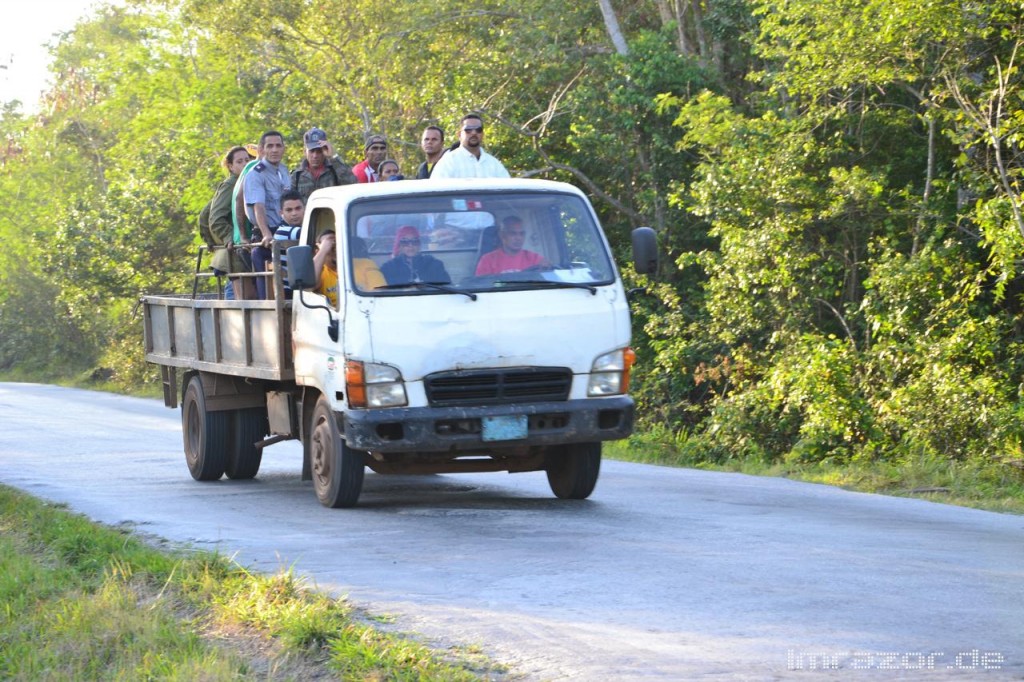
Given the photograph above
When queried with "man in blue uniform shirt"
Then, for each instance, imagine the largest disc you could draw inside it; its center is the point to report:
(264, 185)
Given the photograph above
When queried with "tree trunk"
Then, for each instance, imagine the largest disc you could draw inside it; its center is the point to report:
(614, 31)
(671, 11)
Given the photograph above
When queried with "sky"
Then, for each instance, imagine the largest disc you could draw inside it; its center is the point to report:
(23, 36)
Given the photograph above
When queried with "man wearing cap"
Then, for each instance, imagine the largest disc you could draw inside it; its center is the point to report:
(263, 187)
(321, 167)
(469, 160)
(376, 150)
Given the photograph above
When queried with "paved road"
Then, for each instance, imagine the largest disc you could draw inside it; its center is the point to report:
(664, 574)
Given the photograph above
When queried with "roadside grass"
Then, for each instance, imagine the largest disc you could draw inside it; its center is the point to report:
(79, 601)
(993, 485)
(89, 381)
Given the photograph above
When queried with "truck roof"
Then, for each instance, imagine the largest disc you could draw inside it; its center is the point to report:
(347, 193)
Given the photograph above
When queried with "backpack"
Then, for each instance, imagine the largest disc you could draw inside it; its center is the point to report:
(204, 225)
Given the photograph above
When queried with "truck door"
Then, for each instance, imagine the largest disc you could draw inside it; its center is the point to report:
(319, 358)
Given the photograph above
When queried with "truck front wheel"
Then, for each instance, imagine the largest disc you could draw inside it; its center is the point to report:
(337, 469)
(573, 469)
(206, 434)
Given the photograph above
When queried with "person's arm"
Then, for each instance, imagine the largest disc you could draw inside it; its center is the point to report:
(238, 216)
(438, 272)
(342, 170)
(496, 168)
(320, 258)
(220, 214)
(259, 211)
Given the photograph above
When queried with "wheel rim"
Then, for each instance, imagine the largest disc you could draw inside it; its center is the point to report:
(194, 434)
(322, 455)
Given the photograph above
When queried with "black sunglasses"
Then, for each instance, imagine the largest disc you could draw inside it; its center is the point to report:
(473, 129)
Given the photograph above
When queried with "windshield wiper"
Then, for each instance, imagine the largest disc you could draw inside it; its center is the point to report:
(551, 284)
(439, 286)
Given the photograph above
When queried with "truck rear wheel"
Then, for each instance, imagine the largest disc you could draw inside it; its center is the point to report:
(337, 469)
(249, 427)
(573, 469)
(206, 434)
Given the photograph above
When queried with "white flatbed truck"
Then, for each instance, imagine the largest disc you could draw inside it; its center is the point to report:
(512, 371)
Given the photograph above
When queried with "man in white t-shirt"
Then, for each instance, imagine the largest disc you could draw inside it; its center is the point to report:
(469, 160)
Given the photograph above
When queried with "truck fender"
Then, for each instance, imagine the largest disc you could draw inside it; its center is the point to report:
(309, 397)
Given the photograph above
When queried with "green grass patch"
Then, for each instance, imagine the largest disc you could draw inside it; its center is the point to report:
(79, 601)
(995, 485)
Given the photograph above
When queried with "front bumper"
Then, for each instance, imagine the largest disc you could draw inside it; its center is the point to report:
(411, 429)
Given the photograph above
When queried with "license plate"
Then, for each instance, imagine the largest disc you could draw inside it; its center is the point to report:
(512, 427)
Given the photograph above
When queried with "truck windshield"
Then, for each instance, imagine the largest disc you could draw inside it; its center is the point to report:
(479, 241)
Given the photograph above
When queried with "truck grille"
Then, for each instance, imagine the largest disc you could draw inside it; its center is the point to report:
(514, 385)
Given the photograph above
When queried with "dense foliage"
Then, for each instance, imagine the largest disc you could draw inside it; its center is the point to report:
(837, 187)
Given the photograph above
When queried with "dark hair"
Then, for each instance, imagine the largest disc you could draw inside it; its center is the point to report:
(226, 161)
(510, 220)
(437, 129)
(357, 247)
(291, 195)
(270, 133)
(471, 115)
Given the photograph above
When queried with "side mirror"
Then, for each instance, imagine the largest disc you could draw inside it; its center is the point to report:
(302, 277)
(645, 251)
(301, 274)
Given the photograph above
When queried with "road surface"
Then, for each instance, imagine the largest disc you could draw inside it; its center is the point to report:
(664, 574)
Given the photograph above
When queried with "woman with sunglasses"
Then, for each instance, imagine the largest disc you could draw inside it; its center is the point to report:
(409, 265)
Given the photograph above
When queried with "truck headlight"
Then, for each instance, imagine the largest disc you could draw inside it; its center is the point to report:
(609, 375)
(369, 384)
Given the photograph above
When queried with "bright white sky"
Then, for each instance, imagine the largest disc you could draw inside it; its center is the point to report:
(25, 31)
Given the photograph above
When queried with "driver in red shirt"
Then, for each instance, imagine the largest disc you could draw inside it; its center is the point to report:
(510, 256)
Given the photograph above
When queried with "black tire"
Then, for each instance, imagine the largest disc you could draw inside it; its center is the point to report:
(249, 427)
(206, 434)
(337, 469)
(573, 470)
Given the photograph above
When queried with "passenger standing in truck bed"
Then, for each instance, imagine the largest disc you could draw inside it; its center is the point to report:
(389, 170)
(293, 210)
(239, 221)
(226, 260)
(321, 167)
(264, 185)
(432, 144)
(469, 159)
(375, 151)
